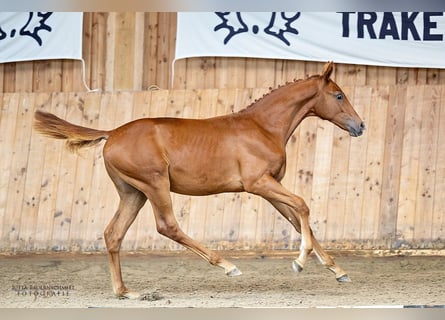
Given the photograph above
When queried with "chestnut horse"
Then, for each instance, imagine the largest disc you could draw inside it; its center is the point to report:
(244, 151)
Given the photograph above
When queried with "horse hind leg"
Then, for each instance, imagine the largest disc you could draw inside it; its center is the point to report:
(167, 225)
(131, 201)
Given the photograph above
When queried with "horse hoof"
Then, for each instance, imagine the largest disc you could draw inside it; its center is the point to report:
(296, 266)
(344, 278)
(234, 272)
(132, 295)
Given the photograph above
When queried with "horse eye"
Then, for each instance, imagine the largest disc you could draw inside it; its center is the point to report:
(339, 96)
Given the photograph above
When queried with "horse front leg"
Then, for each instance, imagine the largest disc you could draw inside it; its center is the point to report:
(295, 210)
(324, 258)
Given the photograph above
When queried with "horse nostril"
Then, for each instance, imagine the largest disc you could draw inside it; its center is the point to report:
(362, 126)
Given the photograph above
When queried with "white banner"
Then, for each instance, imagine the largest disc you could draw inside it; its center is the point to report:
(402, 39)
(40, 35)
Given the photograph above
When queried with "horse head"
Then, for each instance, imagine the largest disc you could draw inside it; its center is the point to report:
(334, 106)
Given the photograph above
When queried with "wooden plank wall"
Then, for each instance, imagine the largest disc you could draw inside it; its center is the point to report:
(134, 51)
(382, 190)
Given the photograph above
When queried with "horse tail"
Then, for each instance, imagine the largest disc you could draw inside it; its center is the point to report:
(76, 136)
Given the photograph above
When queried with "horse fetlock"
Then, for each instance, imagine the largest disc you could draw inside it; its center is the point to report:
(297, 266)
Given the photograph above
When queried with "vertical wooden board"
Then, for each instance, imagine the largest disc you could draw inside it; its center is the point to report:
(392, 162)
(421, 78)
(321, 177)
(263, 74)
(81, 181)
(230, 73)
(374, 164)
(248, 221)
(68, 76)
(250, 71)
(2, 77)
(96, 74)
(199, 77)
(338, 183)
(192, 105)
(372, 76)
(103, 199)
(139, 23)
(9, 78)
(402, 76)
(87, 49)
(124, 51)
(83, 237)
(6, 142)
(344, 74)
(282, 75)
(172, 47)
(362, 103)
(175, 105)
(441, 76)
(360, 76)
(53, 150)
(35, 161)
(19, 164)
(427, 165)
(150, 49)
(163, 47)
(110, 52)
(438, 232)
(51, 76)
(410, 164)
(387, 76)
(65, 220)
(9, 111)
(24, 72)
(432, 76)
(265, 225)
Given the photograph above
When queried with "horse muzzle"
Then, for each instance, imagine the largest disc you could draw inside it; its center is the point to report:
(356, 129)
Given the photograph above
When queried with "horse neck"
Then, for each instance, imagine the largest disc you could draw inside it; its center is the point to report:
(282, 110)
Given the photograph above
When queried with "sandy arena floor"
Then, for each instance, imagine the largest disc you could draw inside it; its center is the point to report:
(183, 280)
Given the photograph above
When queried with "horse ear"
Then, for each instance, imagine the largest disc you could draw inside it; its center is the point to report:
(327, 70)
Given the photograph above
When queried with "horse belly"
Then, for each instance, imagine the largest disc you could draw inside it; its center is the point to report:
(199, 182)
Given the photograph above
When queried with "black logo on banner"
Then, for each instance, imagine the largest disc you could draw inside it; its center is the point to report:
(36, 23)
(280, 24)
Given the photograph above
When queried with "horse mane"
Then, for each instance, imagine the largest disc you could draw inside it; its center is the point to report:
(272, 90)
